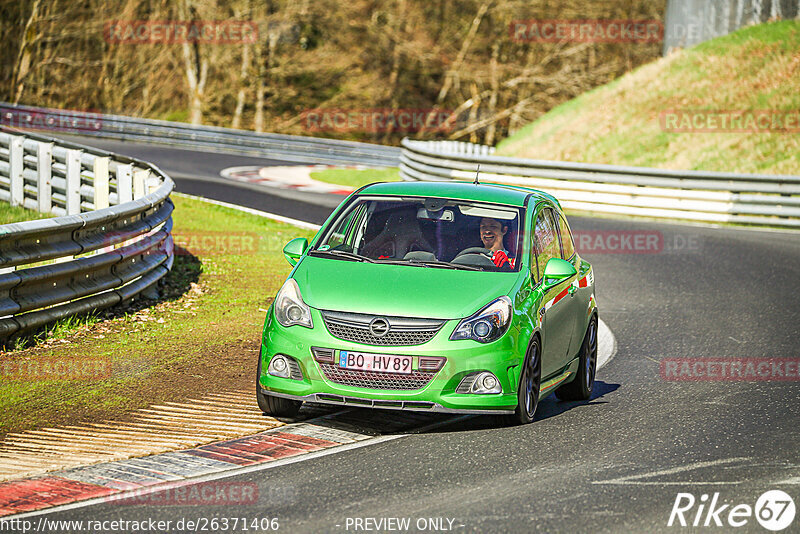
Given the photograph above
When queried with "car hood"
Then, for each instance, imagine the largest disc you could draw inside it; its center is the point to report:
(402, 290)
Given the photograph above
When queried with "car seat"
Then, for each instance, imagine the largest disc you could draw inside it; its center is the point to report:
(400, 235)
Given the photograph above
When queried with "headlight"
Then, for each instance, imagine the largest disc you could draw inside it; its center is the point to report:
(488, 324)
(290, 308)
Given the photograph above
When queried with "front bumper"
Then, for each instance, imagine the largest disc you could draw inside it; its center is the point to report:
(355, 402)
(502, 357)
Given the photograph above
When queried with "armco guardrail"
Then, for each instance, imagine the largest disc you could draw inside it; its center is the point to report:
(110, 243)
(689, 195)
(267, 145)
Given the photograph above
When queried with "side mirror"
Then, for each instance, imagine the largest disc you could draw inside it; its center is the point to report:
(294, 249)
(556, 271)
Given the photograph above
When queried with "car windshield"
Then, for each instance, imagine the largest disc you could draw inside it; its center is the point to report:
(426, 232)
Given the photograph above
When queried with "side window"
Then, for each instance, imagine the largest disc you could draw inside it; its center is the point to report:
(545, 241)
(339, 236)
(567, 245)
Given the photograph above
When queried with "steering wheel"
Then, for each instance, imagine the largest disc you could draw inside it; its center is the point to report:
(475, 256)
(475, 250)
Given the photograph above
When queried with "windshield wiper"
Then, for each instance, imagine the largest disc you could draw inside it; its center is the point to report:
(446, 265)
(432, 263)
(341, 254)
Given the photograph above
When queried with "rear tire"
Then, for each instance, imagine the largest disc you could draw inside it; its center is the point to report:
(581, 387)
(529, 384)
(275, 406)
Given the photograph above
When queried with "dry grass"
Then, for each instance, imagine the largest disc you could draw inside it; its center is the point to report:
(756, 68)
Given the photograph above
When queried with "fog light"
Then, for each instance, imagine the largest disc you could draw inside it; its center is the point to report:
(480, 383)
(489, 382)
(279, 367)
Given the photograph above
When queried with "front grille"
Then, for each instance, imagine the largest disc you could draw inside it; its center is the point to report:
(355, 327)
(373, 380)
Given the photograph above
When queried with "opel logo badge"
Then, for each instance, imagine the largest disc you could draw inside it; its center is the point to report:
(379, 327)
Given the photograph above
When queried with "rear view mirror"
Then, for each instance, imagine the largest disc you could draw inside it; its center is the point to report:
(556, 271)
(294, 249)
(441, 215)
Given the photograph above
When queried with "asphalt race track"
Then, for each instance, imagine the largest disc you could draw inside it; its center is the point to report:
(614, 464)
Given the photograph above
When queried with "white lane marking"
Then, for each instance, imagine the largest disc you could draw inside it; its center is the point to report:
(606, 344)
(793, 480)
(251, 211)
(635, 480)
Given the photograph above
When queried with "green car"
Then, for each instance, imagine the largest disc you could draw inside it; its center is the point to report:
(435, 297)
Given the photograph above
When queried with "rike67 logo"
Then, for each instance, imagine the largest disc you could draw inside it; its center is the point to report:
(774, 510)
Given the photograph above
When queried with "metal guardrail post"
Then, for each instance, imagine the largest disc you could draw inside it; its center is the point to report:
(101, 182)
(44, 172)
(139, 183)
(17, 188)
(124, 183)
(73, 187)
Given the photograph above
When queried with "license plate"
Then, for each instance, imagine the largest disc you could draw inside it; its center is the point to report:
(379, 363)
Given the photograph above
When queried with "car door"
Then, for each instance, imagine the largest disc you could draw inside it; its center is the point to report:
(556, 319)
(575, 304)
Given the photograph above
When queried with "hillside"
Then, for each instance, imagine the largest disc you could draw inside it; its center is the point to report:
(626, 121)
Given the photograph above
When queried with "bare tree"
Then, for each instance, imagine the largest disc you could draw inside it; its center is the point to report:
(196, 68)
(23, 63)
(243, 83)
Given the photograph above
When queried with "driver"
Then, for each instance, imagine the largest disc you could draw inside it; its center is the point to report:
(492, 232)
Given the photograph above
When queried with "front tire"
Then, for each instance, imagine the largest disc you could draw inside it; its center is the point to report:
(581, 387)
(529, 384)
(275, 406)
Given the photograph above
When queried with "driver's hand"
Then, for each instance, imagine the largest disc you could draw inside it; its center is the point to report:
(499, 258)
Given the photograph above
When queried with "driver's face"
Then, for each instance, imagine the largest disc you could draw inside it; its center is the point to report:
(492, 233)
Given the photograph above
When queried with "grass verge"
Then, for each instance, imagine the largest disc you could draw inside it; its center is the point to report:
(11, 214)
(356, 178)
(203, 335)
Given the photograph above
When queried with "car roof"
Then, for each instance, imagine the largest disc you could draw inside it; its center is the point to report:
(511, 195)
